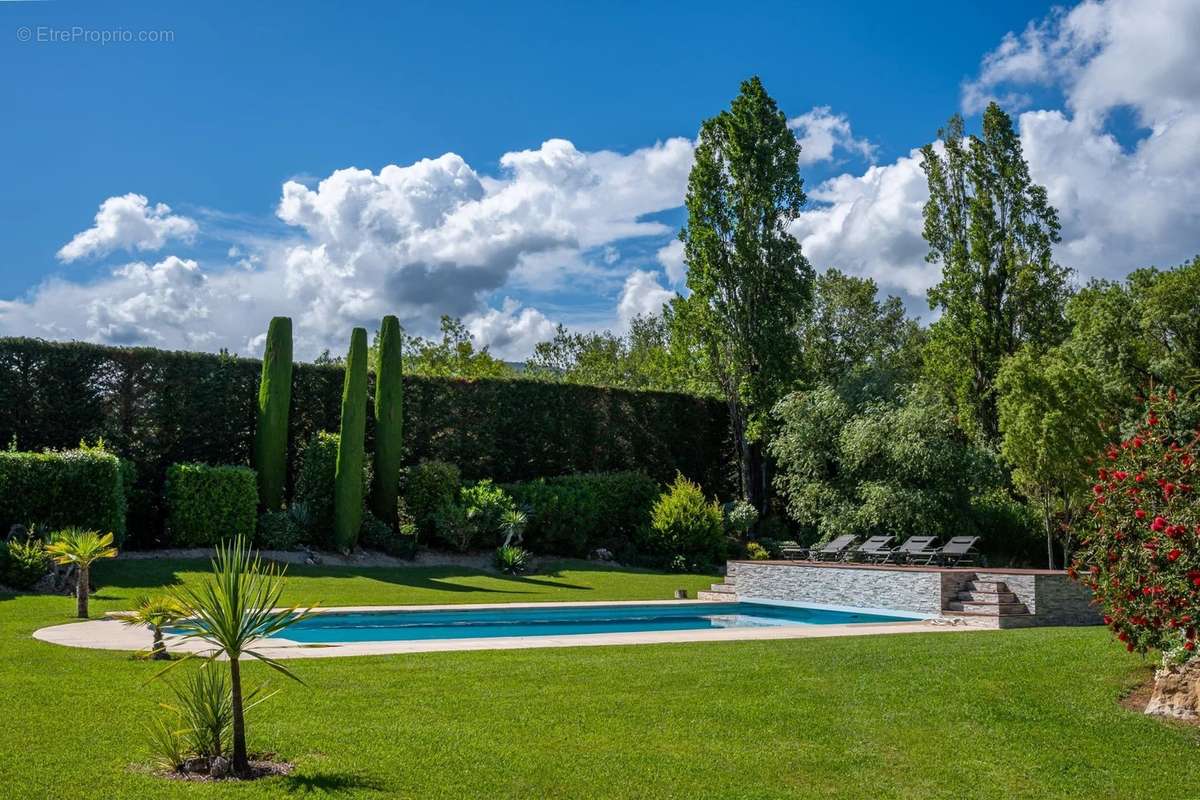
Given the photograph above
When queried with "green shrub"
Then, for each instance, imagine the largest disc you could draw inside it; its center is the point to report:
(511, 560)
(487, 507)
(207, 505)
(685, 527)
(428, 487)
(73, 488)
(280, 530)
(375, 534)
(314, 487)
(23, 562)
(314, 483)
(572, 515)
(452, 526)
(757, 552)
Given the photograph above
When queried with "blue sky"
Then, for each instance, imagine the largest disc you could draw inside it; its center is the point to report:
(244, 98)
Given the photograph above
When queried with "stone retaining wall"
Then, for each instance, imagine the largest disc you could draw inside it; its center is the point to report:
(1051, 597)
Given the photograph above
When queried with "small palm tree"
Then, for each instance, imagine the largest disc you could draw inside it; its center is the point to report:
(81, 548)
(155, 612)
(231, 611)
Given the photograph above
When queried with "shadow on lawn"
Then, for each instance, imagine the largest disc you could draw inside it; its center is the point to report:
(156, 573)
(329, 782)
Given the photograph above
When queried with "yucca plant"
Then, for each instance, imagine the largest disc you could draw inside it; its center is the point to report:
(154, 612)
(81, 548)
(235, 608)
(511, 559)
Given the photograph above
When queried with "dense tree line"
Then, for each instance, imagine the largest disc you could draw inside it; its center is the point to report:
(848, 414)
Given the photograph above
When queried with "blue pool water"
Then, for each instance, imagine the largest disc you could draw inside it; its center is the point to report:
(392, 626)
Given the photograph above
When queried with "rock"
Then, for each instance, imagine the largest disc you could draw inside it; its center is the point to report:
(601, 554)
(311, 557)
(219, 767)
(1176, 691)
(197, 766)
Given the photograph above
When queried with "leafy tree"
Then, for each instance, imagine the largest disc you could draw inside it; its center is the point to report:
(991, 228)
(1049, 405)
(852, 338)
(274, 400)
(453, 356)
(887, 468)
(232, 610)
(1140, 333)
(82, 549)
(748, 279)
(642, 359)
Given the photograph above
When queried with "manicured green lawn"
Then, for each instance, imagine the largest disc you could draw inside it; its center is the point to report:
(976, 715)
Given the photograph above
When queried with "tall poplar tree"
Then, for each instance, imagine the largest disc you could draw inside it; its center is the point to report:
(750, 284)
(991, 228)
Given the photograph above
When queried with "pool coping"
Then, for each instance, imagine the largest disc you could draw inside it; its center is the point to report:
(112, 634)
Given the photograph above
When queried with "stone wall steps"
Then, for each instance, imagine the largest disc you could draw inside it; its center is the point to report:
(988, 597)
(716, 597)
(726, 588)
(991, 609)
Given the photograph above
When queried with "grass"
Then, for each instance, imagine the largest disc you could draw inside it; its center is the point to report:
(1025, 713)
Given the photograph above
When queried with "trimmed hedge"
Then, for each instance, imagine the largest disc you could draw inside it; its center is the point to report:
(80, 488)
(207, 505)
(157, 408)
(572, 515)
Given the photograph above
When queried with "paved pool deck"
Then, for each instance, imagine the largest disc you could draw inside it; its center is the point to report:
(112, 634)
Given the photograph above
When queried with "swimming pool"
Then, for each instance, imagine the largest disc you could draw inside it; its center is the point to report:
(399, 626)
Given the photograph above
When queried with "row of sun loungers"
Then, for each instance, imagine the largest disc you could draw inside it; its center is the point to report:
(958, 551)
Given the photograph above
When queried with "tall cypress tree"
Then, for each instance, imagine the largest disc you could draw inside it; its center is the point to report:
(348, 482)
(389, 419)
(274, 399)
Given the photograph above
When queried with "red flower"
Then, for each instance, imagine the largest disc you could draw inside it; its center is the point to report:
(1174, 554)
(1140, 514)
(1189, 645)
(1158, 524)
(1141, 476)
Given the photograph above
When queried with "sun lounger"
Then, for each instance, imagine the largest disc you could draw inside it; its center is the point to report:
(874, 550)
(915, 550)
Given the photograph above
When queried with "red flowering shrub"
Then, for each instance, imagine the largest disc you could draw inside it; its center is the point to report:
(1141, 556)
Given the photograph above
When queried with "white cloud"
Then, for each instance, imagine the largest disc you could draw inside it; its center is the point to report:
(671, 259)
(510, 332)
(430, 238)
(128, 222)
(166, 303)
(870, 225)
(1121, 207)
(641, 295)
(821, 133)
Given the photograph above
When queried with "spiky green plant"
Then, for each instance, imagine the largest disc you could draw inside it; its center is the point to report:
(154, 612)
(389, 420)
(82, 549)
(232, 611)
(274, 399)
(348, 482)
